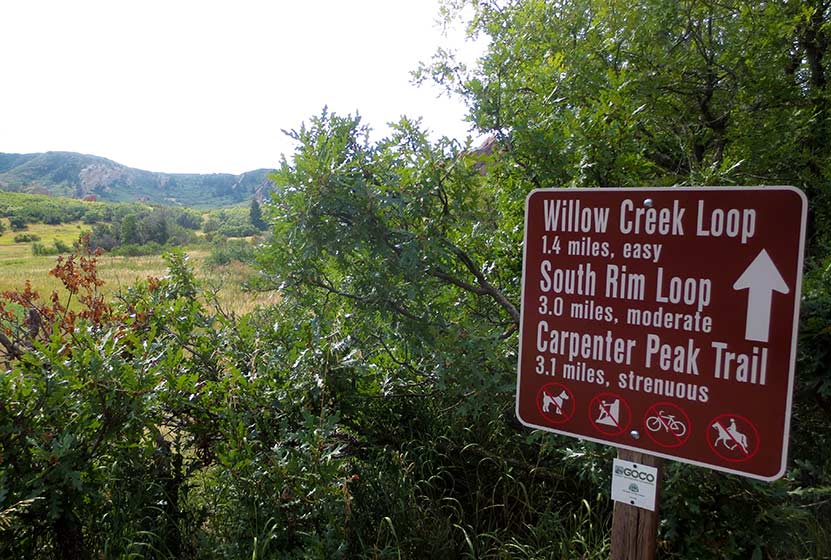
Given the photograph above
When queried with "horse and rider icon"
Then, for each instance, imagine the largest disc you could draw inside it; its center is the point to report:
(733, 437)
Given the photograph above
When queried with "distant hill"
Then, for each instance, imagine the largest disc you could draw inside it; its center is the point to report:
(77, 175)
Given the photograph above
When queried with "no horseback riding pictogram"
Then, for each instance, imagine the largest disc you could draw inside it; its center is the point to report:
(732, 437)
(667, 424)
(556, 403)
(609, 414)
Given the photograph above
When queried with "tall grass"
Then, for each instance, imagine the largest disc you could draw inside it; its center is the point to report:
(18, 265)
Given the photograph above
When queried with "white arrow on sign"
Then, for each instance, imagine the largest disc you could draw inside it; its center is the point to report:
(760, 279)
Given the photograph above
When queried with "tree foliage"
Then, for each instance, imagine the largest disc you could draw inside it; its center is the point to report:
(156, 426)
(255, 215)
(659, 92)
(415, 246)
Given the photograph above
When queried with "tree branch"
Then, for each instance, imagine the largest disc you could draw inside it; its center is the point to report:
(329, 288)
(12, 349)
(484, 288)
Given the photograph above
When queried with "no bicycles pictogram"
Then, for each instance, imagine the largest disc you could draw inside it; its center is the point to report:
(732, 437)
(667, 424)
(609, 414)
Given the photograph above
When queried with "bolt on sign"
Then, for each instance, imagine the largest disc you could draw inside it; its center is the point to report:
(664, 321)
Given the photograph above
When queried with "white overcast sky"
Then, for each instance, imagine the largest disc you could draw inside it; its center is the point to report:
(206, 86)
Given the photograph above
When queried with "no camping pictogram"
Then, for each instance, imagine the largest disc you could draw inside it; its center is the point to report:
(667, 424)
(732, 437)
(609, 414)
(556, 403)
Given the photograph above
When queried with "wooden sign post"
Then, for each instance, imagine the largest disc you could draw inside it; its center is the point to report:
(634, 529)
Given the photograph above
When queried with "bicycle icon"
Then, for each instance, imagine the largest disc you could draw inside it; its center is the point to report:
(668, 422)
(667, 425)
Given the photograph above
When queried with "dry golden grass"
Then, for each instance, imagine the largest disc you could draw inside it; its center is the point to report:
(18, 264)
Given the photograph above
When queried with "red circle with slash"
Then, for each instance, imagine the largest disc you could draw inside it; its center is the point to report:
(732, 437)
(609, 414)
(556, 403)
(667, 424)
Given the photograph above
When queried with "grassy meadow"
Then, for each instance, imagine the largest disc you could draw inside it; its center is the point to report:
(18, 264)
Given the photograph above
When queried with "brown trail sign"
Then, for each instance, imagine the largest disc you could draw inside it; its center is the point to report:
(663, 321)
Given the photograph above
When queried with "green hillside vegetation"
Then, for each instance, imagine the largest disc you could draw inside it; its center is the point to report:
(368, 411)
(131, 237)
(27, 208)
(130, 228)
(223, 273)
(238, 221)
(73, 175)
(223, 265)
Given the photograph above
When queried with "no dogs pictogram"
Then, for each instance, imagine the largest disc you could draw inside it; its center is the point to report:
(732, 437)
(556, 403)
(609, 414)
